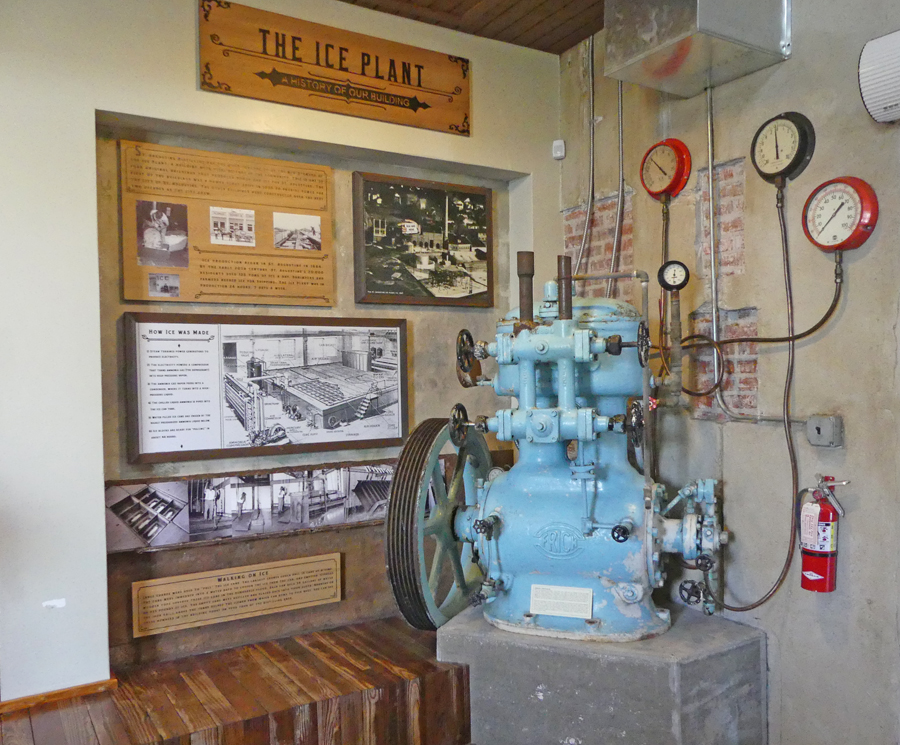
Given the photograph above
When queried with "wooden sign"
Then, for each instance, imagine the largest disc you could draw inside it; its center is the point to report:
(190, 600)
(270, 57)
(205, 227)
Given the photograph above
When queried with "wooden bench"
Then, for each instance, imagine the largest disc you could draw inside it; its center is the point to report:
(376, 683)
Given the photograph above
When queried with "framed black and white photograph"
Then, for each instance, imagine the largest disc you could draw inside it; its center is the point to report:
(163, 285)
(229, 226)
(152, 514)
(204, 386)
(298, 232)
(162, 233)
(422, 242)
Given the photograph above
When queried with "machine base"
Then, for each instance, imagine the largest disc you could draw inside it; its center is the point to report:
(703, 682)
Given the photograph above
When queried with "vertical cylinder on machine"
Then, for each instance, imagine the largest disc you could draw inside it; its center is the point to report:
(525, 270)
(564, 281)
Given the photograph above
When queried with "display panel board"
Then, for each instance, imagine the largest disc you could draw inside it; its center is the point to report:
(206, 227)
(204, 386)
(257, 54)
(190, 600)
(422, 242)
(152, 514)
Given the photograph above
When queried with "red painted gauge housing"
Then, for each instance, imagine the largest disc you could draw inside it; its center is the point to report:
(868, 215)
(682, 169)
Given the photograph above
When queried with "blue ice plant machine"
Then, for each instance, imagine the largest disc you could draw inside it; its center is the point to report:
(568, 542)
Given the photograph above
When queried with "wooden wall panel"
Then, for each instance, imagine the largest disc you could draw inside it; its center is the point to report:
(366, 594)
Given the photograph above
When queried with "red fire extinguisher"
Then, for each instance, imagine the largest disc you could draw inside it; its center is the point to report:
(818, 536)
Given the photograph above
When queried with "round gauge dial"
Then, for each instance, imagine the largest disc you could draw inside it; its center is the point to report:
(783, 146)
(840, 214)
(665, 168)
(673, 275)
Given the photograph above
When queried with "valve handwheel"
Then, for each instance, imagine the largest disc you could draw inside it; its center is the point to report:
(465, 350)
(692, 592)
(643, 344)
(459, 425)
(431, 572)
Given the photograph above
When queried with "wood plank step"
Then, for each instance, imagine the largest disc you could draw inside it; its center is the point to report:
(376, 683)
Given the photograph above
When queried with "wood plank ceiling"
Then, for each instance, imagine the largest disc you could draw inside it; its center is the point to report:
(547, 25)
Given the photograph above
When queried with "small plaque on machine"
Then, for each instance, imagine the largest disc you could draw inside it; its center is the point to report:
(191, 600)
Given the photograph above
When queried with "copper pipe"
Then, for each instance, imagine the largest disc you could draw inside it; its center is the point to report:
(525, 270)
(564, 282)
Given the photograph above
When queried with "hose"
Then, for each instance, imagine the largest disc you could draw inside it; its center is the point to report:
(788, 433)
(838, 286)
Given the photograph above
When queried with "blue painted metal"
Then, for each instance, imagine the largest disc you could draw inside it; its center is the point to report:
(552, 516)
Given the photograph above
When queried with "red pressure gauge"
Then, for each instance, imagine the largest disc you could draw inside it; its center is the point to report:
(840, 214)
(665, 168)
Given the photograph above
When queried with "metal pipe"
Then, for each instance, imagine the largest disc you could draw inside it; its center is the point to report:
(564, 283)
(525, 271)
(636, 274)
(620, 201)
(589, 207)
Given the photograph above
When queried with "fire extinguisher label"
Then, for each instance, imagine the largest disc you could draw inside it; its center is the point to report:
(816, 535)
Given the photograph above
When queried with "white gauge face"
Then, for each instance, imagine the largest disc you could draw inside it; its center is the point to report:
(833, 214)
(660, 168)
(776, 146)
(674, 274)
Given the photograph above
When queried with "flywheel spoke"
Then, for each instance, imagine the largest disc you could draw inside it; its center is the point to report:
(440, 489)
(437, 563)
(458, 572)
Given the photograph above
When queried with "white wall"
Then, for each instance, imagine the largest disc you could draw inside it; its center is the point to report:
(834, 660)
(62, 62)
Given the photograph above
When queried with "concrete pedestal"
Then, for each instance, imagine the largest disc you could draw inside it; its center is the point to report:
(701, 683)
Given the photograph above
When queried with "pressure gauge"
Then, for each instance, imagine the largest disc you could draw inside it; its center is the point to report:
(840, 214)
(665, 168)
(673, 275)
(783, 146)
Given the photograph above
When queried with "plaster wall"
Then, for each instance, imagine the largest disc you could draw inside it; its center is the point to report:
(833, 659)
(64, 62)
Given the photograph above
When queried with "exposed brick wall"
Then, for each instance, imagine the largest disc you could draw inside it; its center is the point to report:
(729, 182)
(740, 384)
(598, 252)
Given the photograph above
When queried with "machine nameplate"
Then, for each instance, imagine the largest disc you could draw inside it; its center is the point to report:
(190, 600)
(571, 602)
(559, 541)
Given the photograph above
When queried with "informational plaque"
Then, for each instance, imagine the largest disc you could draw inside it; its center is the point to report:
(191, 600)
(203, 386)
(256, 54)
(204, 227)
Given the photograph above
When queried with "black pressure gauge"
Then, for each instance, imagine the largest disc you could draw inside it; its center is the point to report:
(673, 275)
(783, 146)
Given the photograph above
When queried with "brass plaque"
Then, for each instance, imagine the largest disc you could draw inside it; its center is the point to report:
(211, 227)
(270, 57)
(190, 600)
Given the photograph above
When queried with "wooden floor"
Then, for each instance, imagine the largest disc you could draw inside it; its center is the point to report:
(370, 684)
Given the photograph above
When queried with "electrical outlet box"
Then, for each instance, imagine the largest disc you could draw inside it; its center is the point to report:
(825, 431)
(559, 149)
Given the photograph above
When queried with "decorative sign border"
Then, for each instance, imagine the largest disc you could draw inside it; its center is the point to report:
(271, 57)
(217, 386)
